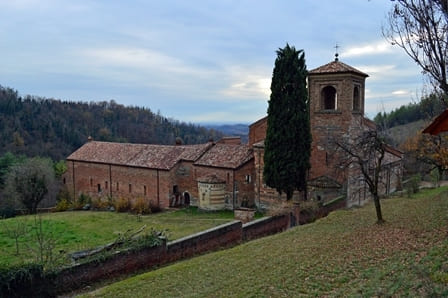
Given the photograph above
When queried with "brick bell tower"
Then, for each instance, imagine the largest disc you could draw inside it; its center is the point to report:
(336, 94)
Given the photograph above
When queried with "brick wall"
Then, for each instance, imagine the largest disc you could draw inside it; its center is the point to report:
(257, 131)
(102, 180)
(119, 264)
(328, 125)
(265, 226)
(126, 262)
(244, 188)
(222, 236)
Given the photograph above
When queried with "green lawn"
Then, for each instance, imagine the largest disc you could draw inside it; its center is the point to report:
(344, 254)
(80, 230)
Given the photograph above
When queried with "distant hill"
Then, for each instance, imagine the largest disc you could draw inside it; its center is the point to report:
(428, 108)
(52, 128)
(397, 135)
(405, 121)
(237, 130)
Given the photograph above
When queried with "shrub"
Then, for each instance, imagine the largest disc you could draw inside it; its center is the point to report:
(82, 200)
(63, 205)
(122, 205)
(141, 206)
(435, 177)
(7, 212)
(154, 207)
(412, 185)
(24, 281)
(99, 203)
(64, 194)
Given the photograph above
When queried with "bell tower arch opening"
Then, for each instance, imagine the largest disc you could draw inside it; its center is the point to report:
(356, 98)
(329, 98)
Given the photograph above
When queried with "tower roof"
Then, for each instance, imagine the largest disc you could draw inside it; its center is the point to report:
(336, 67)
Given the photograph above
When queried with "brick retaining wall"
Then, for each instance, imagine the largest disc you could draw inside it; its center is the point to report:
(222, 236)
(265, 226)
(126, 262)
(225, 235)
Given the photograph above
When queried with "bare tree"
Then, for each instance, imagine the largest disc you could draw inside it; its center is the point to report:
(364, 154)
(31, 182)
(420, 28)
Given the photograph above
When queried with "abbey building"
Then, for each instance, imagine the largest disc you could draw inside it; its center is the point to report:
(228, 174)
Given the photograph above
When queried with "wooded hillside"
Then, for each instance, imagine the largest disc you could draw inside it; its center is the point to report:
(33, 126)
(428, 108)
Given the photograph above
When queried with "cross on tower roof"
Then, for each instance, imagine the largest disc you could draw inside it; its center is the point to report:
(337, 54)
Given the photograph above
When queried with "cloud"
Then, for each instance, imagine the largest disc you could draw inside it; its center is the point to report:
(401, 93)
(129, 57)
(247, 83)
(375, 69)
(375, 48)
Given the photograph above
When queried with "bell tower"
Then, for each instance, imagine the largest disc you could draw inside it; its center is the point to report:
(336, 95)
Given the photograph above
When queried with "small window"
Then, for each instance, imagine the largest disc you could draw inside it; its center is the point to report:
(99, 188)
(118, 186)
(63, 180)
(91, 182)
(130, 188)
(329, 98)
(144, 190)
(228, 178)
(248, 178)
(105, 184)
(356, 99)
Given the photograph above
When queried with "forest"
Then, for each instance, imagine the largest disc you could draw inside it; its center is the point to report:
(36, 126)
(429, 107)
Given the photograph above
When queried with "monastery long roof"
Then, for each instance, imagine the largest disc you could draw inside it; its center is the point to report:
(226, 156)
(161, 157)
(337, 67)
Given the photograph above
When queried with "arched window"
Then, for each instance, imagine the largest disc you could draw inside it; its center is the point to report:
(356, 99)
(329, 98)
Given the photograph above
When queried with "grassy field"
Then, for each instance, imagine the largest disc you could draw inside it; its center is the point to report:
(78, 230)
(344, 254)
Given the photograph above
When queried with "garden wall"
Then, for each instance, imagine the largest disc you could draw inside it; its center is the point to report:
(265, 226)
(131, 261)
(126, 262)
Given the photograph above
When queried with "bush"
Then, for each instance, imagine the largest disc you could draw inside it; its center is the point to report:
(63, 205)
(24, 281)
(122, 205)
(7, 212)
(99, 203)
(413, 184)
(82, 200)
(154, 207)
(141, 206)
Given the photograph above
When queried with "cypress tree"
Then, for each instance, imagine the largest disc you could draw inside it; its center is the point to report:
(288, 137)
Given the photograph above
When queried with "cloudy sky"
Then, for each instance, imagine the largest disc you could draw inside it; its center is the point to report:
(196, 61)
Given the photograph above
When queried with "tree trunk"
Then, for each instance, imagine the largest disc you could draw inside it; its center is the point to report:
(379, 214)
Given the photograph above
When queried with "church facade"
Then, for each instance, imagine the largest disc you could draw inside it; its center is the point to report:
(228, 174)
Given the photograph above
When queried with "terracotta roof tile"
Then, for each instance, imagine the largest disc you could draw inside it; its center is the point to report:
(440, 124)
(337, 67)
(226, 156)
(162, 157)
